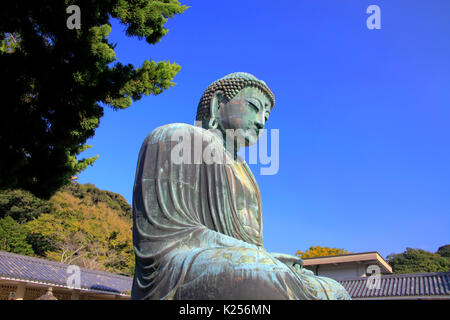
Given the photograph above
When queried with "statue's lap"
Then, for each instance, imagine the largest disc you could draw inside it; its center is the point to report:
(246, 273)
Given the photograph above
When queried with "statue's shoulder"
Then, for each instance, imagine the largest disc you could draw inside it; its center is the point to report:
(173, 131)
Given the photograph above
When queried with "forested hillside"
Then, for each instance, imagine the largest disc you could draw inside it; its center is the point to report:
(80, 225)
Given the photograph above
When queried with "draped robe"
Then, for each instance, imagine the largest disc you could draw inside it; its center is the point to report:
(197, 228)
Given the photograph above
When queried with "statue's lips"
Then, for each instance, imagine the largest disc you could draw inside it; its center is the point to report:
(253, 133)
(249, 135)
(258, 132)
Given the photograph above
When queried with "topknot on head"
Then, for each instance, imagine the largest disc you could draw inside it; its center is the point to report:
(240, 75)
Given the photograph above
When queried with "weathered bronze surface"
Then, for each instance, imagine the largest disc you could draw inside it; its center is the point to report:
(197, 225)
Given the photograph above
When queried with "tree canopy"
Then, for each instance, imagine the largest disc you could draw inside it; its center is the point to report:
(56, 81)
(418, 260)
(13, 237)
(444, 251)
(81, 225)
(21, 205)
(319, 251)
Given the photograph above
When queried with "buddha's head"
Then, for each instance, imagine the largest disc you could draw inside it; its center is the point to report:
(239, 102)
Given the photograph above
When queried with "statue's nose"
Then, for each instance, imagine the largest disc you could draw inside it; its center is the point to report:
(259, 125)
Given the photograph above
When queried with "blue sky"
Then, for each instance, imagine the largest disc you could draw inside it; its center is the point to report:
(363, 115)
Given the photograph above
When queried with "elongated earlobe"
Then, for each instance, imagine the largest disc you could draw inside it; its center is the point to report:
(215, 103)
(213, 123)
(214, 108)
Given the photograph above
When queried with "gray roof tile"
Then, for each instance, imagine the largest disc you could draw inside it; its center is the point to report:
(401, 285)
(33, 269)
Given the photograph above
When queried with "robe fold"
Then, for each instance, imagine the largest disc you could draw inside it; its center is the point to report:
(197, 227)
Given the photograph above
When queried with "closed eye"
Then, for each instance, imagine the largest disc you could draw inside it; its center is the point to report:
(254, 105)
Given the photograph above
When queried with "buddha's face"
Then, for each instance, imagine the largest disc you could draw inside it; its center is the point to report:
(248, 111)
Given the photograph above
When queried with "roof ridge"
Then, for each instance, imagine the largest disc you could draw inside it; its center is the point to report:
(342, 255)
(400, 275)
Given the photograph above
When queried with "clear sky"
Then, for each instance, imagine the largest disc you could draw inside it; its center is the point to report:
(363, 115)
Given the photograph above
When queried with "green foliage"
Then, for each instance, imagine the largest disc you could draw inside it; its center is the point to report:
(55, 81)
(80, 225)
(21, 205)
(319, 251)
(444, 251)
(13, 237)
(10, 43)
(418, 260)
(40, 244)
(91, 195)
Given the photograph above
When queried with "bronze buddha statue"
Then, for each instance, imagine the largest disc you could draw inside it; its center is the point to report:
(197, 224)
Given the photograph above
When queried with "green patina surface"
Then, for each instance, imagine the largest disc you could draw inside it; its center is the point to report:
(197, 227)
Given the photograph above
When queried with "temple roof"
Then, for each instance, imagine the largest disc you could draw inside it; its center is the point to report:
(401, 285)
(29, 269)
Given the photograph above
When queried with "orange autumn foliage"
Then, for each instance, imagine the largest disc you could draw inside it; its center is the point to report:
(319, 251)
